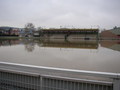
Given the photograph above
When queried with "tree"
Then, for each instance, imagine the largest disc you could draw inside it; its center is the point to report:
(115, 27)
(10, 31)
(29, 28)
(40, 30)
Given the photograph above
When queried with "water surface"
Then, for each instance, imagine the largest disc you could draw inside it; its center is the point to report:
(88, 55)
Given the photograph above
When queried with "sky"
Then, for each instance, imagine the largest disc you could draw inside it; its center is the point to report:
(60, 13)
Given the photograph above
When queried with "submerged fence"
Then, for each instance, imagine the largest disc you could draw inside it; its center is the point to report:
(17, 80)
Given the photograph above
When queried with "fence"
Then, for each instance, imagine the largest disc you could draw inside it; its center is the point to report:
(19, 80)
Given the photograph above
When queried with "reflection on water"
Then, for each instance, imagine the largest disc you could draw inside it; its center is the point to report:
(58, 43)
(114, 45)
(61, 43)
(71, 44)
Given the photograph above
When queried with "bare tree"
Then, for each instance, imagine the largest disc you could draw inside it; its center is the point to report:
(40, 30)
(29, 28)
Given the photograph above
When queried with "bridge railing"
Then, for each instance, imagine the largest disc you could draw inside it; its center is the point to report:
(49, 80)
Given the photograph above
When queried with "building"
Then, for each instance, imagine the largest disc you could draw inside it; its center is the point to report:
(84, 34)
(111, 34)
(15, 31)
(36, 34)
(4, 31)
(22, 33)
(9, 31)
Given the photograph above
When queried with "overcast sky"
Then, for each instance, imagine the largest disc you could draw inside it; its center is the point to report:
(56, 13)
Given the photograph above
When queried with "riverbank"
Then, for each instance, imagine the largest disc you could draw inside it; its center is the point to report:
(19, 37)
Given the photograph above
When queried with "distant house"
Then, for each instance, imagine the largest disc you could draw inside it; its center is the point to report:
(9, 31)
(111, 34)
(4, 31)
(36, 33)
(29, 33)
(15, 31)
(26, 33)
(0, 32)
(22, 33)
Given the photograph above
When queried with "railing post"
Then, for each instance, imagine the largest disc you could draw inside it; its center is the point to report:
(116, 84)
(41, 82)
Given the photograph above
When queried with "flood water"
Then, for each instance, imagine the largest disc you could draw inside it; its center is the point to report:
(103, 56)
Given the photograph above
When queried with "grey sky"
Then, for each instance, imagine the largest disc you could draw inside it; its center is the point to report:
(56, 13)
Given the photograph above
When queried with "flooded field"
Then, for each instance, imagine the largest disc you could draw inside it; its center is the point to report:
(103, 56)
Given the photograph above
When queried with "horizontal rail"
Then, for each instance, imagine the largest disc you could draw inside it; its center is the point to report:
(19, 72)
(78, 72)
(79, 80)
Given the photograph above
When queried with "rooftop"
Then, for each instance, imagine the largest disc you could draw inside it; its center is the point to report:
(74, 29)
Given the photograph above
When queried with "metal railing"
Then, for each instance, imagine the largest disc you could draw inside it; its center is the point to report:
(12, 77)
